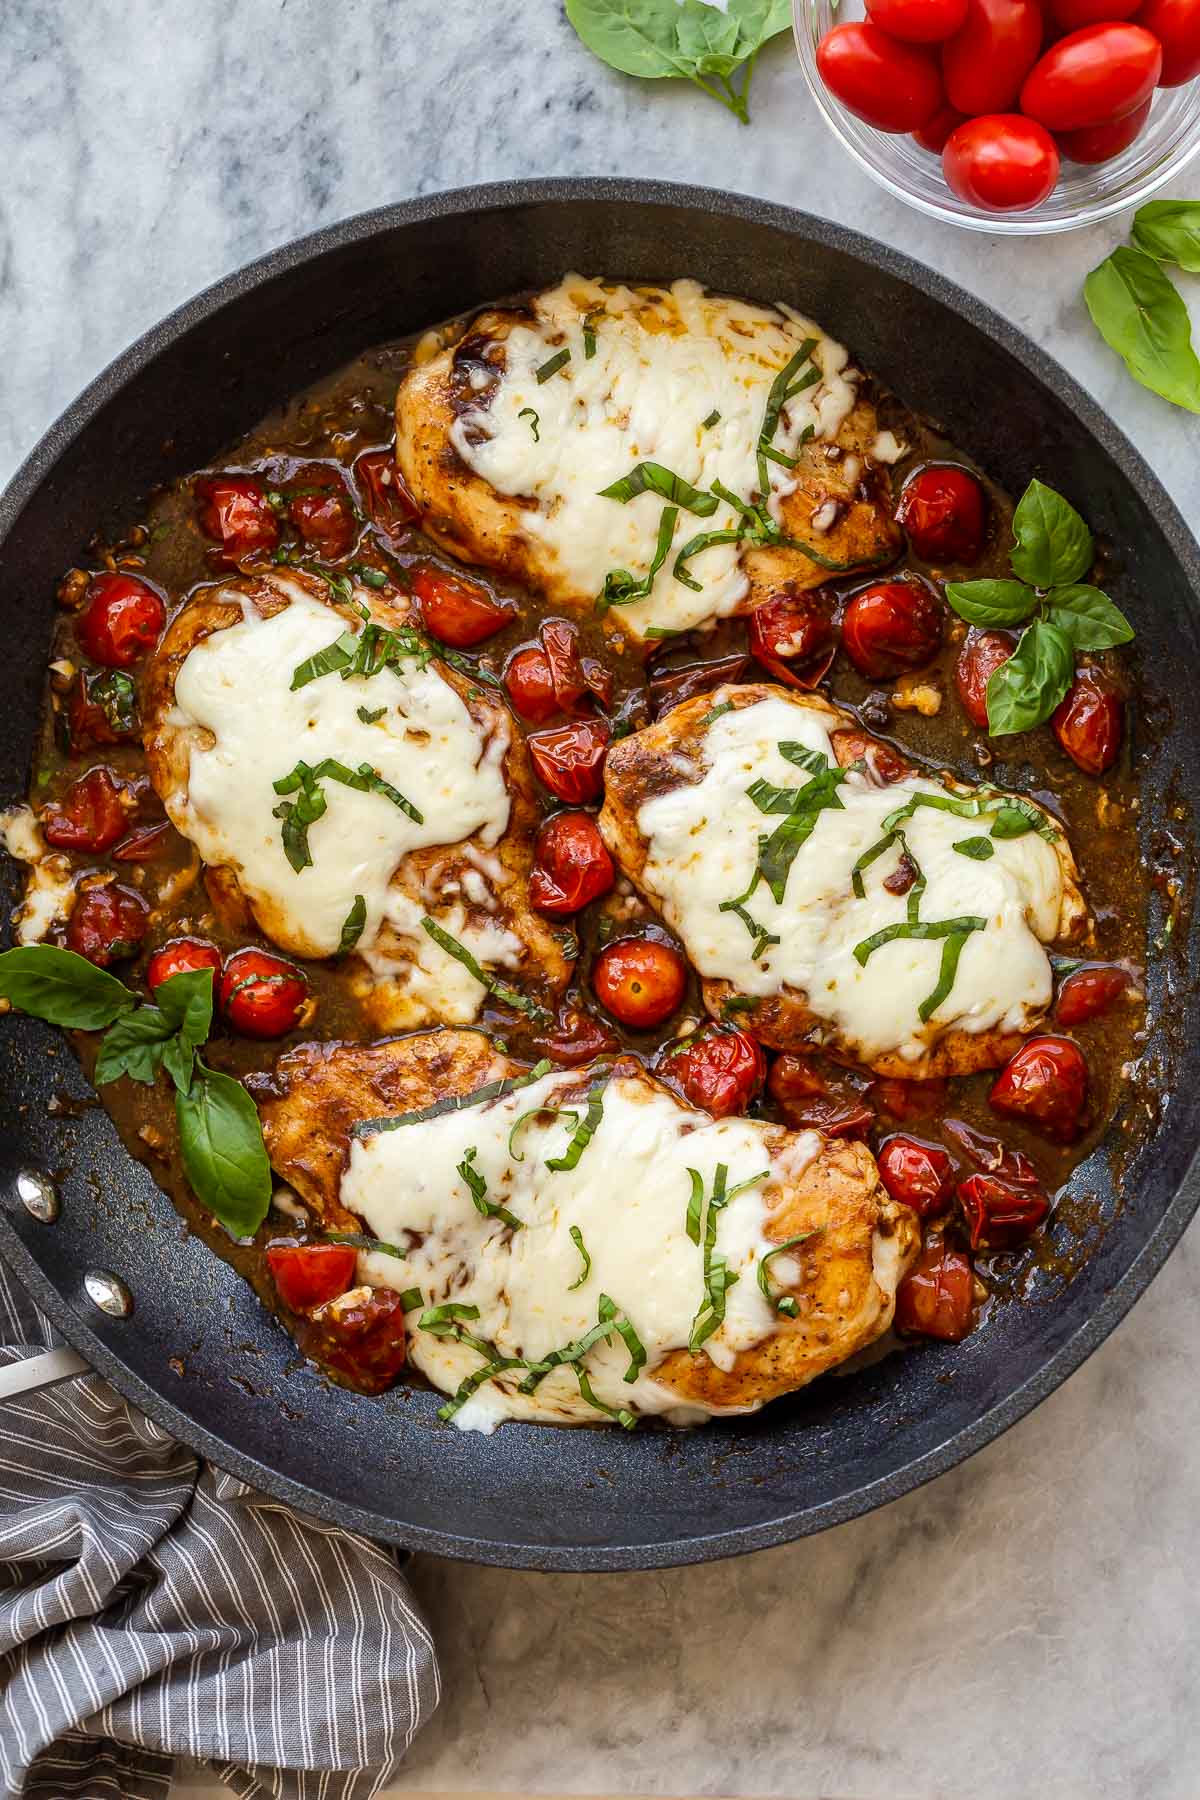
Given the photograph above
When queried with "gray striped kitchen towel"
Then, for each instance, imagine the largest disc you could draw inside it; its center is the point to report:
(151, 1606)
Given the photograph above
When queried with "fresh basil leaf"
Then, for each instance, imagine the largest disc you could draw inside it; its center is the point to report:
(187, 1001)
(224, 1158)
(1139, 314)
(527, 412)
(1087, 617)
(179, 1062)
(352, 925)
(166, 1034)
(133, 1045)
(979, 849)
(682, 40)
(1053, 545)
(1025, 690)
(992, 602)
(62, 988)
(1169, 231)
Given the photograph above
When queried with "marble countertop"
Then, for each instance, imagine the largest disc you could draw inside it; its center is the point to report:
(1025, 1624)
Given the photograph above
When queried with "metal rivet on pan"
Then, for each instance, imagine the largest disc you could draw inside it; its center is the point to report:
(37, 1195)
(108, 1292)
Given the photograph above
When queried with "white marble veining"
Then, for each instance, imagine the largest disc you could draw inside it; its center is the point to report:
(1026, 1624)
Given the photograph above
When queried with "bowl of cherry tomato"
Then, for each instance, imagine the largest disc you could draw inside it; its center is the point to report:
(1009, 115)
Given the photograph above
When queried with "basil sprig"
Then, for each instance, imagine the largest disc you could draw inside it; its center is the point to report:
(164, 1035)
(1052, 550)
(1137, 309)
(713, 48)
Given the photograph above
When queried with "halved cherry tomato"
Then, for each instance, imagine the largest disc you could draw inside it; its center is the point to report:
(932, 135)
(1003, 162)
(262, 995)
(1072, 15)
(457, 611)
(720, 1070)
(1098, 143)
(1088, 722)
(943, 510)
(793, 636)
(812, 1099)
(984, 64)
(362, 1336)
(570, 760)
(384, 496)
(107, 925)
(1045, 1084)
(918, 21)
(891, 626)
(991, 1155)
(234, 511)
(935, 1298)
(101, 709)
(121, 619)
(1086, 993)
(571, 864)
(310, 1274)
(884, 765)
(89, 816)
(906, 1100)
(181, 956)
(1176, 25)
(576, 1037)
(639, 980)
(893, 86)
(144, 844)
(999, 1215)
(978, 660)
(916, 1174)
(672, 686)
(1092, 76)
(319, 507)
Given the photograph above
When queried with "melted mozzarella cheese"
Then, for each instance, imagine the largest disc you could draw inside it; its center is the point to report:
(702, 848)
(236, 687)
(664, 361)
(50, 887)
(408, 1186)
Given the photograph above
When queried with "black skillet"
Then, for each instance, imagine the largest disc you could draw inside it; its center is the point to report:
(198, 1353)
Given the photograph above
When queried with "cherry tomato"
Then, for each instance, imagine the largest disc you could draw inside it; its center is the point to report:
(261, 995)
(906, 1100)
(570, 760)
(1176, 25)
(978, 660)
(319, 507)
(576, 1037)
(916, 1174)
(884, 764)
(672, 686)
(985, 63)
(143, 845)
(181, 956)
(361, 1336)
(234, 511)
(1072, 15)
(1099, 143)
(1044, 1084)
(999, 1215)
(891, 626)
(457, 611)
(107, 925)
(893, 86)
(942, 509)
(1002, 162)
(640, 981)
(720, 1070)
(932, 135)
(935, 1298)
(918, 21)
(121, 619)
(793, 637)
(97, 713)
(385, 498)
(1088, 722)
(89, 816)
(811, 1099)
(991, 1155)
(571, 864)
(310, 1274)
(1093, 76)
(530, 684)
(560, 646)
(1086, 993)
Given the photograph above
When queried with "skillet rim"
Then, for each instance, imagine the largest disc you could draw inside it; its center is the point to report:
(462, 203)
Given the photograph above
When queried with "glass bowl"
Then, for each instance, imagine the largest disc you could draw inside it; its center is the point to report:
(1169, 140)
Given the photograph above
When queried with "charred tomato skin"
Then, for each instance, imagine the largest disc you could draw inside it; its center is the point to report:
(936, 1298)
(308, 1275)
(943, 509)
(916, 1174)
(261, 994)
(569, 760)
(457, 611)
(999, 1214)
(89, 816)
(107, 924)
(892, 626)
(640, 981)
(121, 619)
(1088, 723)
(571, 864)
(720, 1071)
(181, 956)
(1045, 1085)
(978, 660)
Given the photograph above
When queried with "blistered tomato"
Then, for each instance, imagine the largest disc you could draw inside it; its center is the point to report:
(89, 816)
(107, 925)
(1045, 1084)
(999, 1214)
(576, 1037)
(311, 1274)
(793, 637)
(811, 1099)
(570, 760)
(120, 621)
(890, 627)
(640, 981)
(892, 85)
(181, 956)
(362, 1336)
(235, 512)
(720, 1070)
(883, 764)
(978, 660)
(1086, 993)
(262, 995)
(319, 507)
(529, 682)
(1088, 722)
(571, 864)
(935, 1298)
(942, 509)
(916, 1174)
(386, 500)
(456, 611)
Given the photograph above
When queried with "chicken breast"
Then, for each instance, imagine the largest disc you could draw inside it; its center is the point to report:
(339, 811)
(832, 898)
(509, 438)
(587, 1221)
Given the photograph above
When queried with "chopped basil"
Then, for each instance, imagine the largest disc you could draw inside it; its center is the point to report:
(537, 1112)
(410, 1299)
(305, 781)
(527, 412)
(704, 540)
(713, 418)
(558, 361)
(664, 631)
(782, 389)
(495, 1365)
(115, 695)
(491, 1090)
(589, 338)
(781, 1304)
(382, 1248)
(369, 575)
(584, 1131)
(621, 1414)
(979, 849)
(352, 929)
(370, 718)
(577, 1239)
(490, 1209)
(653, 478)
(609, 1319)
(710, 718)
(737, 1003)
(460, 953)
(701, 1226)
(921, 929)
(763, 939)
(620, 587)
(364, 653)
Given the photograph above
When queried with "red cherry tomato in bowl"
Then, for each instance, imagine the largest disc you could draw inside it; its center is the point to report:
(640, 981)
(88, 817)
(893, 86)
(311, 1274)
(916, 1174)
(1088, 722)
(984, 64)
(1088, 992)
(181, 956)
(935, 1298)
(1045, 1085)
(942, 508)
(1002, 162)
(978, 660)
(1073, 15)
(918, 21)
(570, 760)
(1176, 25)
(1100, 143)
(121, 620)
(719, 1071)
(892, 626)
(571, 864)
(107, 924)
(1092, 76)
(457, 611)
(261, 994)
(234, 511)
(793, 637)
(932, 135)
